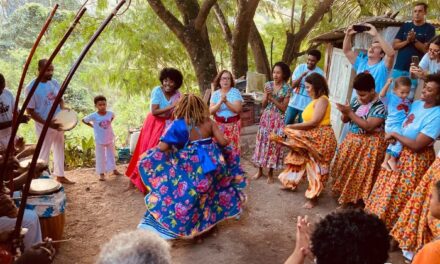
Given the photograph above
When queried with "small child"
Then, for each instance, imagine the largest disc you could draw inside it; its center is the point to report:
(398, 106)
(101, 122)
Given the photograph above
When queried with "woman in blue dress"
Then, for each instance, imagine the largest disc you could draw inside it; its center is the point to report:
(193, 182)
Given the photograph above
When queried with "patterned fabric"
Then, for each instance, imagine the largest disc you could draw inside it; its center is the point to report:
(311, 152)
(47, 205)
(373, 109)
(270, 154)
(152, 130)
(232, 96)
(393, 189)
(232, 132)
(416, 226)
(187, 195)
(356, 166)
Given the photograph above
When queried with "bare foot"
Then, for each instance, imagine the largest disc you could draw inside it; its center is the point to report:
(386, 166)
(258, 174)
(342, 207)
(270, 180)
(102, 177)
(309, 204)
(270, 177)
(286, 188)
(116, 173)
(393, 164)
(129, 187)
(64, 180)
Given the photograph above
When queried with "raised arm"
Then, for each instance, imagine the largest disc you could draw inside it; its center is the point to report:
(385, 88)
(386, 47)
(347, 46)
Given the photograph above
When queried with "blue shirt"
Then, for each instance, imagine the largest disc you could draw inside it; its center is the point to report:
(397, 108)
(159, 98)
(424, 34)
(422, 120)
(301, 99)
(43, 97)
(232, 96)
(379, 71)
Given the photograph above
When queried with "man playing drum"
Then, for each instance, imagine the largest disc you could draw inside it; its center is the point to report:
(39, 108)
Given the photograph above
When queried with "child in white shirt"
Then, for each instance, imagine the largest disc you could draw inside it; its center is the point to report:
(101, 122)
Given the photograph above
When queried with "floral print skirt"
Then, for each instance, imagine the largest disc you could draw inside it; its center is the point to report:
(269, 154)
(184, 201)
(311, 152)
(416, 226)
(356, 166)
(393, 189)
(232, 132)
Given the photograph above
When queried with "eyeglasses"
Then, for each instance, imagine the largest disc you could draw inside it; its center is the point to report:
(433, 51)
(225, 78)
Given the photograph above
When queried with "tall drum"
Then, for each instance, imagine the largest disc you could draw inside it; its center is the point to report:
(48, 199)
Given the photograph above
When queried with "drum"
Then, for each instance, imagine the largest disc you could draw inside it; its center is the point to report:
(48, 200)
(25, 162)
(133, 141)
(67, 119)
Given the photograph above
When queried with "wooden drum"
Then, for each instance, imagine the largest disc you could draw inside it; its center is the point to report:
(53, 227)
(48, 199)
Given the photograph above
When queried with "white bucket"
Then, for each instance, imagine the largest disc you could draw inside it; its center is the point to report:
(134, 137)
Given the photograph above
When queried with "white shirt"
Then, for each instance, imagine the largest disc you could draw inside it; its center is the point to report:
(102, 127)
(432, 66)
(7, 102)
(43, 97)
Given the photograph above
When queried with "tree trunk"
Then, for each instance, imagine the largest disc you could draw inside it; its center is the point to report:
(240, 36)
(202, 59)
(193, 34)
(293, 43)
(259, 52)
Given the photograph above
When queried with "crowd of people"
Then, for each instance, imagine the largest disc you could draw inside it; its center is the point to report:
(187, 158)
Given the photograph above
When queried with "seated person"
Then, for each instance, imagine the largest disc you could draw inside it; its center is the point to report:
(8, 217)
(345, 237)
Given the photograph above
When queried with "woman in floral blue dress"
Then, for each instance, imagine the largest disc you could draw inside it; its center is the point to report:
(194, 183)
(269, 154)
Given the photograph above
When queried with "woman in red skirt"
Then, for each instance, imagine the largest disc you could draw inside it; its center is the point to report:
(163, 100)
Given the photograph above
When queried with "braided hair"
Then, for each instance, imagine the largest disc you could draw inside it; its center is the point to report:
(192, 108)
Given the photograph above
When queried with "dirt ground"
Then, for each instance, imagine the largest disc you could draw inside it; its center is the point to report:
(264, 234)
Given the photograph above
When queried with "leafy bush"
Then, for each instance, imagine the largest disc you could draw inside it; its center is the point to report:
(79, 152)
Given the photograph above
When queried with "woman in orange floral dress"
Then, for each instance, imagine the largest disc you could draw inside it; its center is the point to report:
(416, 226)
(312, 143)
(394, 189)
(360, 155)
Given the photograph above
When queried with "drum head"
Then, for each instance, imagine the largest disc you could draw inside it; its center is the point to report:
(67, 119)
(44, 186)
(24, 163)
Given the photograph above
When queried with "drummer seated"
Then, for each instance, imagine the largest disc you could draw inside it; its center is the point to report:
(8, 218)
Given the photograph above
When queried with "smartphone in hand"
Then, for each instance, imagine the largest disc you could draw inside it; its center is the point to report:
(361, 28)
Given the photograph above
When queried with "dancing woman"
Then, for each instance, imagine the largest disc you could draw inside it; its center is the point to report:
(163, 100)
(312, 143)
(194, 183)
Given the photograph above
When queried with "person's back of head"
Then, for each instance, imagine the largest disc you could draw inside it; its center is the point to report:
(350, 237)
(135, 247)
